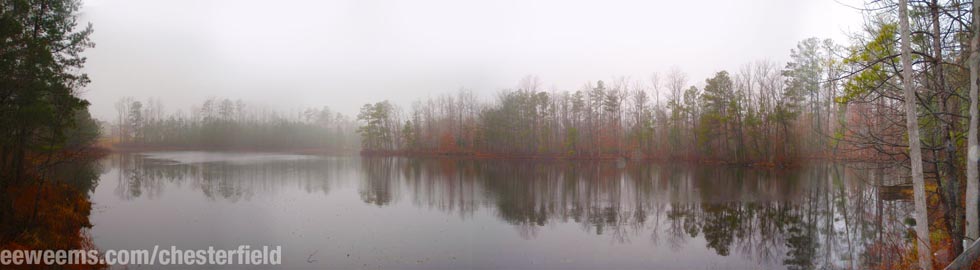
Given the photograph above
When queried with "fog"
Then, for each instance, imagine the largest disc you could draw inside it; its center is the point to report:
(496, 134)
(295, 54)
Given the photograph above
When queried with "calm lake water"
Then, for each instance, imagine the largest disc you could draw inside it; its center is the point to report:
(398, 213)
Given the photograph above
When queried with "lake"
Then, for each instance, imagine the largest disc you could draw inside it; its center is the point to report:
(409, 213)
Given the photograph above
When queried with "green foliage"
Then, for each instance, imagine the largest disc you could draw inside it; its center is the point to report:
(378, 132)
(874, 57)
(40, 63)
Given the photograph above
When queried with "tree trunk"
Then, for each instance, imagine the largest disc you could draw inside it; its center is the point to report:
(972, 189)
(965, 260)
(950, 106)
(915, 152)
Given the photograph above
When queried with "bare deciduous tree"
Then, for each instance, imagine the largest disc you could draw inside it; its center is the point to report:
(915, 152)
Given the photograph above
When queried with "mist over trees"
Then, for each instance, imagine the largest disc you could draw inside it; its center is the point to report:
(762, 113)
(902, 92)
(888, 89)
(893, 86)
(227, 124)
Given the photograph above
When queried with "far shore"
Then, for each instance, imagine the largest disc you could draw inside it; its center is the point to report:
(136, 148)
(119, 148)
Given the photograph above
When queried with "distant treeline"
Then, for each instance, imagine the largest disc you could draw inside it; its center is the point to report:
(761, 114)
(231, 125)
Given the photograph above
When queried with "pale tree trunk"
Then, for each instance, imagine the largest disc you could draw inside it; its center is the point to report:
(954, 221)
(972, 189)
(915, 152)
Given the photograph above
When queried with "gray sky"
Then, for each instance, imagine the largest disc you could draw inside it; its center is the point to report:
(342, 54)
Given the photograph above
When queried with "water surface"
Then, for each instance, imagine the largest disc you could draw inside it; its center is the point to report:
(400, 213)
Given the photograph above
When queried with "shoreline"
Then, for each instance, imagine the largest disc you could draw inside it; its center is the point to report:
(114, 148)
(795, 163)
(584, 158)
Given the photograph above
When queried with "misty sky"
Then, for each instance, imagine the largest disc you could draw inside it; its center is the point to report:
(342, 54)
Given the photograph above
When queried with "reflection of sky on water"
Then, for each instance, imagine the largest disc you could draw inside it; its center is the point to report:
(445, 214)
(189, 157)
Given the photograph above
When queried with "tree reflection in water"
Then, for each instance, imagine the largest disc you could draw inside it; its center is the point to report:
(821, 216)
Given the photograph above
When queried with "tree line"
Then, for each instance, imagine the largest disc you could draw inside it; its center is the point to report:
(762, 113)
(902, 92)
(227, 124)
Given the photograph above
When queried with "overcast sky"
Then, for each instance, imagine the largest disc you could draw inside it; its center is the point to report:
(342, 54)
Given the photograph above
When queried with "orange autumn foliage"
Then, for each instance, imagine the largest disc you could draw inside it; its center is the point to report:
(59, 223)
